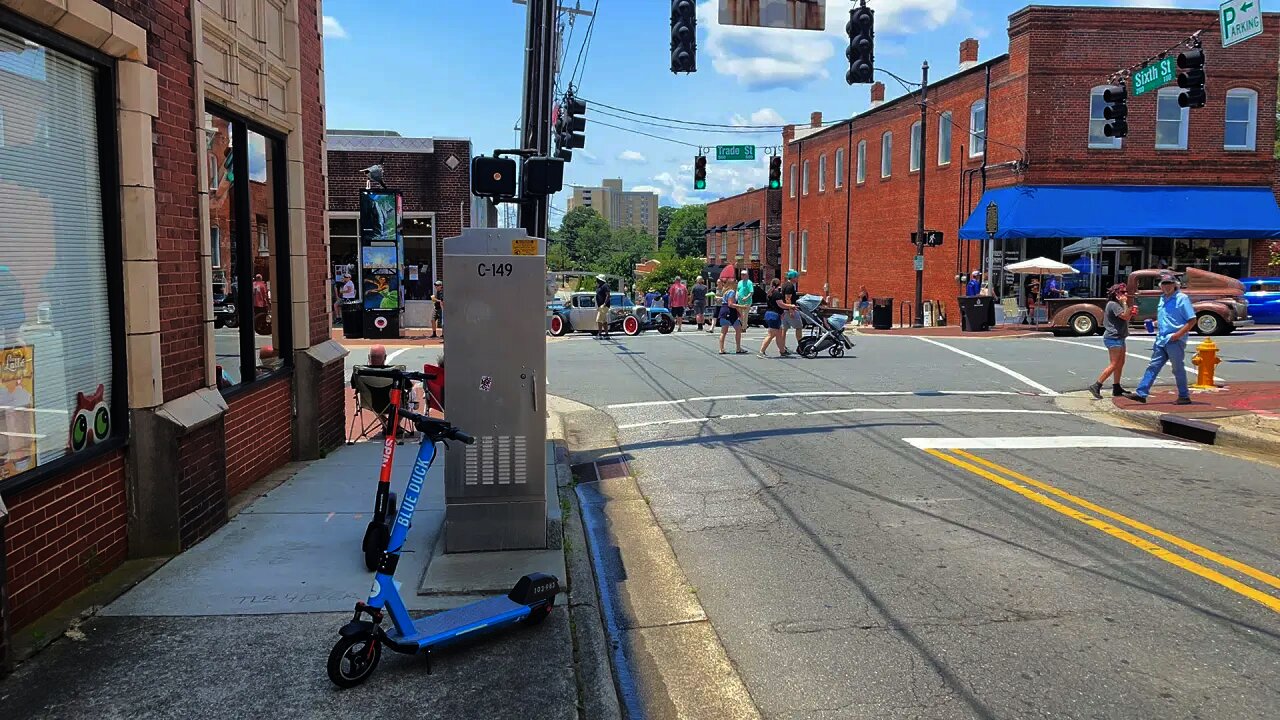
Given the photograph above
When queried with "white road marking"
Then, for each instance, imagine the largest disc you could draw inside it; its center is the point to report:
(1143, 358)
(848, 411)
(1053, 442)
(1011, 373)
(833, 393)
(396, 354)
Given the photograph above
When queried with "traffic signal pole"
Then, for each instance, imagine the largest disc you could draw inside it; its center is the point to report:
(924, 144)
(539, 81)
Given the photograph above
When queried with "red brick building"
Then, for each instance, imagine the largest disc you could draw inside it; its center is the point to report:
(146, 148)
(744, 231)
(1024, 130)
(434, 175)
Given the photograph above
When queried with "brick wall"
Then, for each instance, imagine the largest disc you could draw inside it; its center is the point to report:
(1061, 77)
(63, 535)
(202, 494)
(181, 300)
(1259, 259)
(426, 181)
(874, 247)
(333, 393)
(259, 433)
(311, 52)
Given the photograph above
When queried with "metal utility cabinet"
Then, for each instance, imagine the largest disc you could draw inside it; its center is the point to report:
(495, 389)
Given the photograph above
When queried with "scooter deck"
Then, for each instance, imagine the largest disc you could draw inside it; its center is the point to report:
(446, 627)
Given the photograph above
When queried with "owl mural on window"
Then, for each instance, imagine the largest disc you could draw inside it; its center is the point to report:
(90, 420)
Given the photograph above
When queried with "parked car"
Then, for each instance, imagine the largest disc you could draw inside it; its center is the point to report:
(579, 315)
(1219, 302)
(1263, 294)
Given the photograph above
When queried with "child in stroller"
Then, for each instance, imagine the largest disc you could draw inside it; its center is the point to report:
(828, 332)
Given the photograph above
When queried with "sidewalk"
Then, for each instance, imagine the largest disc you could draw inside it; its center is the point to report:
(241, 624)
(1247, 414)
(409, 337)
(998, 331)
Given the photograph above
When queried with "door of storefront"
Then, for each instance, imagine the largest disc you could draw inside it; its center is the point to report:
(1118, 264)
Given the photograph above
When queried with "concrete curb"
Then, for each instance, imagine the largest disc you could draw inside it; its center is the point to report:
(668, 659)
(1233, 432)
(597, 696)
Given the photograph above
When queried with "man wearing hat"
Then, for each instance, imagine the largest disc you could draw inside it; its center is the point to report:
(975, 284)
(602, 306)
(437, 317)
(1175, 318)
(791, 318)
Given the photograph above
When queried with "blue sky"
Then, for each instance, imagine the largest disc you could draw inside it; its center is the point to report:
(433, 68)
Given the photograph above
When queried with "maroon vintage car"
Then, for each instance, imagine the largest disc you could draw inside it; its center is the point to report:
(1219, 302)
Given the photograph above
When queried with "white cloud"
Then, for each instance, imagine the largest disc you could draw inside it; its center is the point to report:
(647, 188)
(333, 30)
(631, 156)
(763, 58)
(591, 157)
(723, 180)
(763, 116)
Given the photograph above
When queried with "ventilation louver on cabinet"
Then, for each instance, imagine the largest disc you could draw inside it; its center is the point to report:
(498, 460)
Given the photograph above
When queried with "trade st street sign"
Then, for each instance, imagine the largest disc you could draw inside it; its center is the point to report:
(735, 152)
(1240, 20)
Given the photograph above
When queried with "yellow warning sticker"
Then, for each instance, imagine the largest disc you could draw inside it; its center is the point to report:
(524, 247)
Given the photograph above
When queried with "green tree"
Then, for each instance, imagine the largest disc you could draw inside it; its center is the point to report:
(558, 257)
(664, 221)
(585, 235)
(687, 268)
(627, 246)
(687, 233)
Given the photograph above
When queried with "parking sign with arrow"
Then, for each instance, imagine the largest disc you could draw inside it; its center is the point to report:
(1240, 20)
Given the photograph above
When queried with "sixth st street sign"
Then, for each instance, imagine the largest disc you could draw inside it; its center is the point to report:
(1240, 20)
(735, 152)
(1156, 75)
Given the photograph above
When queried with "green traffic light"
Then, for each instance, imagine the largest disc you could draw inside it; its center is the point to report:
(699, 184)
(775, 184)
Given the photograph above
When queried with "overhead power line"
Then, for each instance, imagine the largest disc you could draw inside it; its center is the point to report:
(579, 66)
(669, 126)
(638, 132)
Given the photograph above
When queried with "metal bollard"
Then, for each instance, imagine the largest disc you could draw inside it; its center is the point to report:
(1206, 361)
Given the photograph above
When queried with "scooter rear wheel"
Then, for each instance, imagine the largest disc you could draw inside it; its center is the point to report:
(353, 659)
(537, 616)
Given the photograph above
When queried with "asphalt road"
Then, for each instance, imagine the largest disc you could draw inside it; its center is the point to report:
(919, 531)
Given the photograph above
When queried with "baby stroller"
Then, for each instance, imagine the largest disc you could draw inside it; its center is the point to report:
(829, 331)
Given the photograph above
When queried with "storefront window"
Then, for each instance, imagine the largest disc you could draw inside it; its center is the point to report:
(246, 215)
(1225, 257)
(58, 393)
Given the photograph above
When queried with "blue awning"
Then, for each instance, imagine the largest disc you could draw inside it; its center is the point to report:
(1077, 211)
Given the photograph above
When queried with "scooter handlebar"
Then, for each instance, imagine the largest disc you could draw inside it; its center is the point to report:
(437, 429)
(463, 437)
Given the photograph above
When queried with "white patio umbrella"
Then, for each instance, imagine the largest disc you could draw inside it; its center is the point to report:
(1041, 266)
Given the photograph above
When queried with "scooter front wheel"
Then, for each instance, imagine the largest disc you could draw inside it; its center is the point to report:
(353, 659)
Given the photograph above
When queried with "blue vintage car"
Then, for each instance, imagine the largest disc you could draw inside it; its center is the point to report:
(1263, 294)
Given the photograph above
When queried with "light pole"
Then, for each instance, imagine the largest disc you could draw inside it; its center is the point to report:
(924, 135)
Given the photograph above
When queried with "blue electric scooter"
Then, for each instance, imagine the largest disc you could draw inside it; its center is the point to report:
(359, 648)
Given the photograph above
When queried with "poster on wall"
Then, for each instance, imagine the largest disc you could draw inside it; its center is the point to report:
(17, 410)
(381, 278)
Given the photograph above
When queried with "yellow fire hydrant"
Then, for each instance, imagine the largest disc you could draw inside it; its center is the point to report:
(1206, 361)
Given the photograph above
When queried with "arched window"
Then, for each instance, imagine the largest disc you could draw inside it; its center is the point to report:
(1098, 139)
(822, 173)
(1240, 131)
(886, 155)
(862, 162)
(793, 179)
(978, 128)
(804, 179)
(944, 138)
(840, 168)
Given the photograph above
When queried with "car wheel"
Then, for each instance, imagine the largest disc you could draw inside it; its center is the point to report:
(1208, 323)
(1083, 324)
(630, 325)
(666, 325)
(558, 326)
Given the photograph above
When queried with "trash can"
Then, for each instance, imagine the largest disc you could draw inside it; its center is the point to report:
(882, 313)
(976, 313)
(353, 319)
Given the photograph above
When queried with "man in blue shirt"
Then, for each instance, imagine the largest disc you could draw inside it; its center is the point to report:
(1175, 319)
(975, 284)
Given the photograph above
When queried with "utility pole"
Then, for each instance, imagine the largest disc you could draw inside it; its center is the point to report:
(924, 142)
(540, 63)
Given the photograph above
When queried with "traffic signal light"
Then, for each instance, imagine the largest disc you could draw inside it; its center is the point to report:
(861, 52)
(700, 172)
(775, 172)
(1191, 79)
(1116, 112)
(684, 46)
(570, 126)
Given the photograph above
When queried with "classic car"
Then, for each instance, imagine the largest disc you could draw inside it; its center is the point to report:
(1219, 301)
(1263, 294)
(578, 314)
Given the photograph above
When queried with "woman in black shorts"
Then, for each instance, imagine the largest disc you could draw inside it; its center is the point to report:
(774, 308)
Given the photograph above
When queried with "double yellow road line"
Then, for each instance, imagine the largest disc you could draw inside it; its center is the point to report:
(1040, 492)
